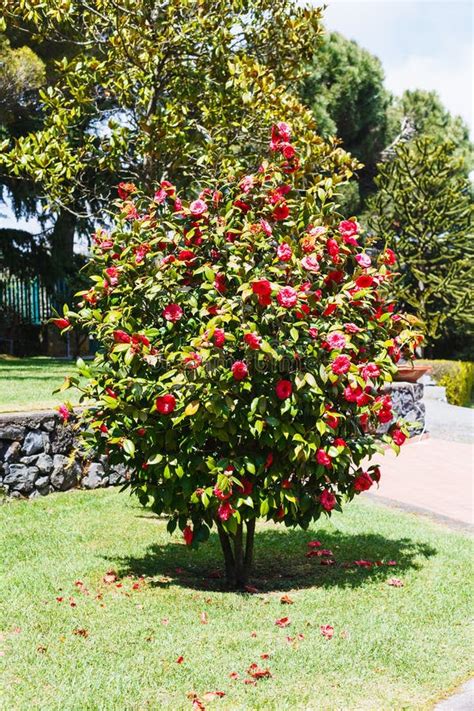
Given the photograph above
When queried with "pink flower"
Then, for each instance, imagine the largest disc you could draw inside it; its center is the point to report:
(313, 332)
(65, 412)
(287, 297)
(192, 360)
(198, 208)
(188, 535)
(266, 227)
(363, 482)
(370, 371)
(225, 511)
(160, 196)
(341, 364)
(311, 264)
(336, 340)
(351, 328)
(165, 404)
(283, 389)
(239, 370)
(352, 392)
(323, 458)
(284, 252)
(363, 260)
(253, 340)
(221, 495)
(218, 337)
(327, 500)
(348, 229)
(173, 312)
(284, 130)
(246, 184)
(112, 274)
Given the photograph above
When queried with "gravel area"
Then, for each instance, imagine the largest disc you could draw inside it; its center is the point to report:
(449, 422)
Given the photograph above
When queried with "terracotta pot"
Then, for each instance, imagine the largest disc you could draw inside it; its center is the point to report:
(411, 373)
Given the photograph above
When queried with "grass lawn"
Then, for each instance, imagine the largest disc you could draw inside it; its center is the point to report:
(28, 383)
(72, 641)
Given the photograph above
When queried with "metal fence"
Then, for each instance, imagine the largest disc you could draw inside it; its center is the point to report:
(28, 301)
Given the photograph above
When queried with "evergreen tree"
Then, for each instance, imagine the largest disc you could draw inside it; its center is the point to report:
(423, 210)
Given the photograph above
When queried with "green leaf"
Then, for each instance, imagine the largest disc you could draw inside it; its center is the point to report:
(128, 446)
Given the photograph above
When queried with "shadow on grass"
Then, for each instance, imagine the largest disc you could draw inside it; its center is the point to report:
(281, 562)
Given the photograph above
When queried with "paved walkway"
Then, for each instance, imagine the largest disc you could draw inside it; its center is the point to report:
(434, 475)
(431, 474)
(463, 700)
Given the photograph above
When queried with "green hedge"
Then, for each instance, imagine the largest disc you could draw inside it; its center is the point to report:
(456, 376)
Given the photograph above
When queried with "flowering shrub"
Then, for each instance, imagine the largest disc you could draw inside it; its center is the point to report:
(246, 337)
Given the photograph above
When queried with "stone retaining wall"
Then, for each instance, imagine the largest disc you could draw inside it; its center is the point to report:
(40, 454)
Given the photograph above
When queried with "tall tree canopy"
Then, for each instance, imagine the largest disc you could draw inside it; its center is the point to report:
(423, 210)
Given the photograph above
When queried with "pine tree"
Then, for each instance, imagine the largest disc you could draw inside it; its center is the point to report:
(423, 210)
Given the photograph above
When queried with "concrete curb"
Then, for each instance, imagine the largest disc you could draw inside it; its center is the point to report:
(453, 523)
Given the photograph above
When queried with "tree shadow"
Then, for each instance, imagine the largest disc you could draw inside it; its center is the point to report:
(281, 563)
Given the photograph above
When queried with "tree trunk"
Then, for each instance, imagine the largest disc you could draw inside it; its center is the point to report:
(237, 556)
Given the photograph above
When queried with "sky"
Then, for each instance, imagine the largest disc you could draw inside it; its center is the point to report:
(422, 44)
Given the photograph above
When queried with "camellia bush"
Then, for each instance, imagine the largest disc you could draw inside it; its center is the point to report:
(245, 340)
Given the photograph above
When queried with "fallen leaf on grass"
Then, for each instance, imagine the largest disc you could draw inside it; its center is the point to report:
(250, 589)
(283, 622)
(165, 621)
(327, 631)
(286, 600)
(210, 695)
(41, 649)
(253, 634)
(363, 563)
(314, 544)
(110, 577)
(396, 582)
(327, 561)
(180, 660)
(234, 675)
(204, 618)
(392, 562)
(257, 673)
(197, 703)
(264, 656)
(81, 632)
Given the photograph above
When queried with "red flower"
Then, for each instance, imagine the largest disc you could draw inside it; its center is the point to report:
(261, 287)
(269, 460)
(225, 511)
(287, 151)
(188, 535)
(287, 297)
(351, 328)
(313, 332)
(245, 488)
(121, 337)
(198, 208)
(186, 255)
(339, 442)
(352, 392)
(348, 229)
(218, 337)
(341, 364)
(173, 312)
(165, 404)
(192, 360)
(241, 205)
(284, 252)
(323, 458)
(311, 264)
(239, 370)
(332, 248)
(61, 322)
(398, 436)
(220, 283)
(389, 256)
(327, 631)
(283, 389)
(364, 281)
(336, 340)
(327, 500)
(363, 482)
(281, 211)
(111, 393)
(125, 189)
(221, 495)
(253, 340)
(330, 309)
